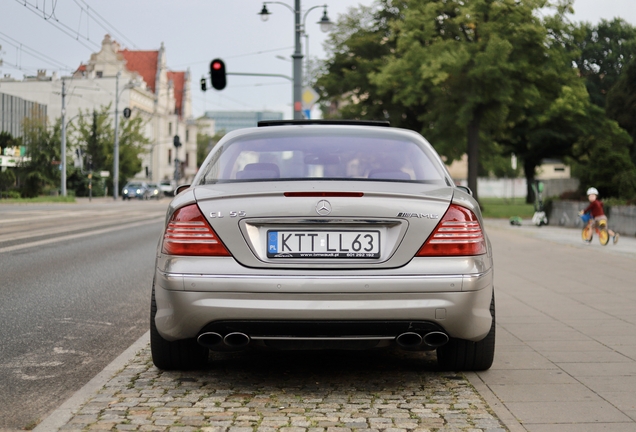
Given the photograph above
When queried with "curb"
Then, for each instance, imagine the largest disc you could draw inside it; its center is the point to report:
(500, 410)
(68, 409)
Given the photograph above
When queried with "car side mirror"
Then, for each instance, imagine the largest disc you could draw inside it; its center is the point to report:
(181, 189)
(465, 189)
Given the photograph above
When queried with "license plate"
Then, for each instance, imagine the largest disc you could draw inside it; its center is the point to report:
(323, 244)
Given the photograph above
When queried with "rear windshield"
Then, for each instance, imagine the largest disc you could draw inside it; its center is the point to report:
(321, 157)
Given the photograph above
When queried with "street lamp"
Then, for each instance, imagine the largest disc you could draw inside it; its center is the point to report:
(299, 30)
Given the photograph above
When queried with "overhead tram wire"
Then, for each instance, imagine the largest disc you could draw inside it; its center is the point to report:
(91, 13)
(233, 57)
(59, 25)
(34, 53)
(110, 29)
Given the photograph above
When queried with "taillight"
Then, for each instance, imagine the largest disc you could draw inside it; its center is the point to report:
(458, 233)
(188, 233)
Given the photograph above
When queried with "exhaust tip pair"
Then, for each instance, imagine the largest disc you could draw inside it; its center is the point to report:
(214, 340)
(410, 340)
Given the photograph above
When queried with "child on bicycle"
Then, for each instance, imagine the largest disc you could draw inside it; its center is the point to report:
(595, 209)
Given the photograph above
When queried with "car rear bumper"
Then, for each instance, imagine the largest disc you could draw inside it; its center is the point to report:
(460, 305)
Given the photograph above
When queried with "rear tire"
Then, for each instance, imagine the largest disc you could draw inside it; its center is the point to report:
(184, 354)
(464, 355)
(587, 233)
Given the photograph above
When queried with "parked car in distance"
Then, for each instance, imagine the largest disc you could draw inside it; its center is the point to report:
(155, 191)
(167, 187)
(135, 189)
(323, 235)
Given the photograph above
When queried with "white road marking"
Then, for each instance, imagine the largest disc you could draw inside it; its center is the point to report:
(78, 235)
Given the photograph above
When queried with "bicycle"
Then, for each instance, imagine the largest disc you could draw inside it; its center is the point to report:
(590, 226)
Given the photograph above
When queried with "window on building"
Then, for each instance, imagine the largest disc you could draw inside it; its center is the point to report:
(169, 156)
(170, 128)
(187, 135)
(187, 158)
(99, 74)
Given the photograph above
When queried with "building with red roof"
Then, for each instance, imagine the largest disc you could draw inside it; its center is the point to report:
(161, 96)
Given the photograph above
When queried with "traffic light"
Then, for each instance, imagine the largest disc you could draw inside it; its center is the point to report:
(204, 85)
(127, 112)
(217, 74)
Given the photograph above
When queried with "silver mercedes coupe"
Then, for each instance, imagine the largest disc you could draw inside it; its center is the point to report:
(323, 235)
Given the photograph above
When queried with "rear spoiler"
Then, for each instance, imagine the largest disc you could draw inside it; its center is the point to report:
(382, 123)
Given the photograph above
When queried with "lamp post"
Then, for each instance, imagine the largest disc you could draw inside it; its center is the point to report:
(299, 31)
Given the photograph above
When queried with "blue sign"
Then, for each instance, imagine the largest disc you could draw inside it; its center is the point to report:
(272, 242)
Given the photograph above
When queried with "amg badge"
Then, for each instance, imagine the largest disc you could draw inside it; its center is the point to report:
(418, 215)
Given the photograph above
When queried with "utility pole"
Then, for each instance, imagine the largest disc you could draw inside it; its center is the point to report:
(116, 154)
(298, 64)
(299, 32)
(63, 150)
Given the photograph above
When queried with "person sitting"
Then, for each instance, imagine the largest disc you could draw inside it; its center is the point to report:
(595, 208)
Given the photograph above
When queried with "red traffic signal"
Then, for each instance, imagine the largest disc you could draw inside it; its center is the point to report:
(217, 74)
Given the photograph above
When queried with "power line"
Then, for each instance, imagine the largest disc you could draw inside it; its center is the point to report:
(34, 53)
(110, 29)
(91, 14)
(57, 23)
(22, 68)
(235, 56)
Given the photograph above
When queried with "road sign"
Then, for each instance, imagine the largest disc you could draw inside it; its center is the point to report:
(104, 173)
(309, 98)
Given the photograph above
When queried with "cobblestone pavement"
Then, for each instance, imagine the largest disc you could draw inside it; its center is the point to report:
(291, 391)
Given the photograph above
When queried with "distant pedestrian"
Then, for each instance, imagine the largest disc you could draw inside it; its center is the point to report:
(595, 209)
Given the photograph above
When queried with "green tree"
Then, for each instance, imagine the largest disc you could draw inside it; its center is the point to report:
(358, 48)
(602, 53)
(7, 140)
(621, 103)
(606, 164)
(94, 136)
(466, 66)
(41, 170)
(132, 145)
(205, 143)
(7, 180)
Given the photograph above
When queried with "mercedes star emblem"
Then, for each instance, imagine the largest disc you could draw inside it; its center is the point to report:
(323, 208)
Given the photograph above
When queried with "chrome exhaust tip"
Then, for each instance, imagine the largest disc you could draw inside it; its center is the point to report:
(210, 340)
(409, 340)
(435, 339)
(236, 340)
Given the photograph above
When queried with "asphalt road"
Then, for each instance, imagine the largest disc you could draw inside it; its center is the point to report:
(75, 285)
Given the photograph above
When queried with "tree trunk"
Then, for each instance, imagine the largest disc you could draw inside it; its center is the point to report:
(473, 151)
(529, 168)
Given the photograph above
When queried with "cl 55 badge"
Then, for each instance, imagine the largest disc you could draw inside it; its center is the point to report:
(232, 214)
(418, 215)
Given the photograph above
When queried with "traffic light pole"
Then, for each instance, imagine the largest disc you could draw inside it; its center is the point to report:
(260, 74)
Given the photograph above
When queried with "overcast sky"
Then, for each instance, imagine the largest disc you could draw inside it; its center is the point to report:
(193, 32)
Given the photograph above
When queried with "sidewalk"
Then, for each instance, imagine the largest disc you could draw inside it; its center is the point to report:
(566, 320)
(565, 361)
